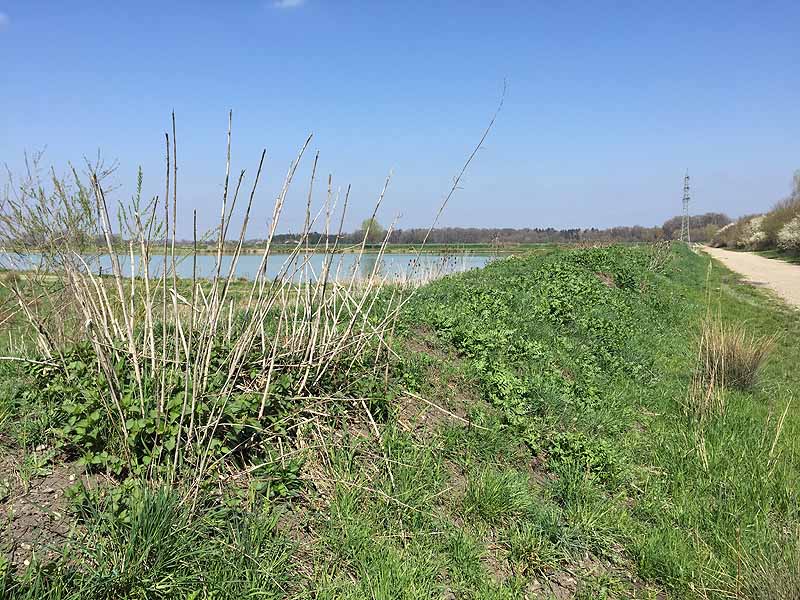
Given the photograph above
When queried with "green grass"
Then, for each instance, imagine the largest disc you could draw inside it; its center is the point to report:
(571, 457)
(497, 496)
(164, 549)
(790, 257)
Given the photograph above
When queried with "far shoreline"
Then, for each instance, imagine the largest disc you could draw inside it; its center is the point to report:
(230, 249)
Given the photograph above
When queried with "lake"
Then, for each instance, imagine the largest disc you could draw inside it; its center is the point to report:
(397, 267)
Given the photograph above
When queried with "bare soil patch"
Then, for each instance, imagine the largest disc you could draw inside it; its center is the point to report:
(35, 519)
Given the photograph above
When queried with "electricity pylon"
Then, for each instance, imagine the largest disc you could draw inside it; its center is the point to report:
(685, 237)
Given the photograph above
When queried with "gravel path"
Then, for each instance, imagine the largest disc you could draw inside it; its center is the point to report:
(781, 277)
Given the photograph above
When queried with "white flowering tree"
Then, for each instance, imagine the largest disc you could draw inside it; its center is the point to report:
(751, 235)
(789, 236)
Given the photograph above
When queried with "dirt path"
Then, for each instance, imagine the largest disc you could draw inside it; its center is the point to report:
(781, 277)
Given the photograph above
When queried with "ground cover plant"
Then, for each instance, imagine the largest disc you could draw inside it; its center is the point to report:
(530, 429)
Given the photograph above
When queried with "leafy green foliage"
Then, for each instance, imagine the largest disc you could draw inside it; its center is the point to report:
(595, 456)
(85, 422)
(548, 338)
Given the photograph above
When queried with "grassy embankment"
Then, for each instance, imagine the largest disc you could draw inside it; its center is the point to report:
(533, 434)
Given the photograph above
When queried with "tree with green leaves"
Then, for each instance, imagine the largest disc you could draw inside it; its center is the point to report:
(373, 230)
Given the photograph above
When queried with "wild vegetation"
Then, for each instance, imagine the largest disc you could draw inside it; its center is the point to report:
(777, 230)
(529, 434)
(566, 424)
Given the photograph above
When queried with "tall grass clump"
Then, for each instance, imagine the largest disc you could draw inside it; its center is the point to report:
(158, 546)
(728, 356)
(707, 390)
(497, 496)
(743, 353)
(771, 573)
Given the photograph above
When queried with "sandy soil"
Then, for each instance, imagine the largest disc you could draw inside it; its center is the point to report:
(781, 277)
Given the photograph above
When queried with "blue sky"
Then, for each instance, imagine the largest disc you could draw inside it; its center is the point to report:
(608, 103)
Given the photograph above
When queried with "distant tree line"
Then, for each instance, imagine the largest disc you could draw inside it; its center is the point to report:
(703, 228)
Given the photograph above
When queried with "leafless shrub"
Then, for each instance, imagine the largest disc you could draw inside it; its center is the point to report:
(46, 222)
(313, 326)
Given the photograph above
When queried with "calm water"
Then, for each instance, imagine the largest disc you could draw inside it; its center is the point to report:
(343, 266)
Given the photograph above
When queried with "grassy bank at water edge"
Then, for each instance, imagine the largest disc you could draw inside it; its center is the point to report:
(534, 429)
